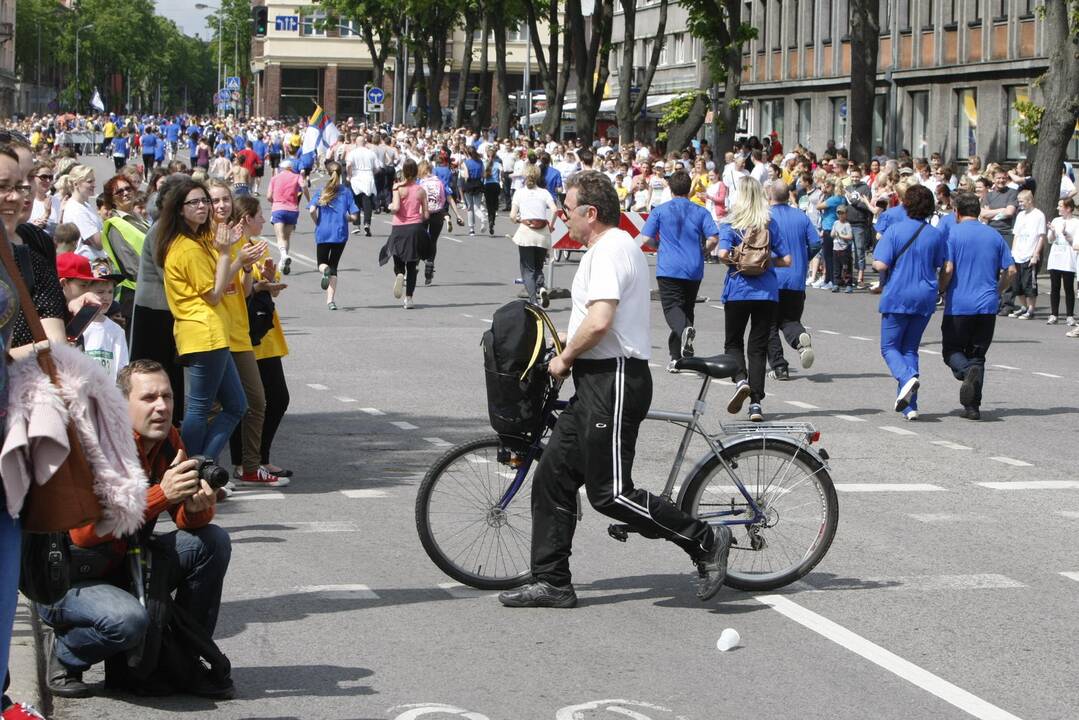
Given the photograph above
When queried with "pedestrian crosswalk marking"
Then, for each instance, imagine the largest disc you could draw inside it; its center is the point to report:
(1071, 575)
(802, 405)
(859, 337)
(888, 487)
(1032, 485)
(951, 445)
(921, 583)
(372, 411)
(948, 517)
(317, 386)
(355, 591)
(928, 351)
(363, 493)
(486, 321)
(1005, 367)
(1011, 461)
(257, 496)
(717, 307)
(439, 442)
(345, 399)
(403, 425)
(828, 332)
(463, 592)
(1048, 375)
(849, 418)
(897, 430)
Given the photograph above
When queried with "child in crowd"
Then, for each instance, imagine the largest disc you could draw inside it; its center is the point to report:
(102, 339)
(66, 237)
(842, 237)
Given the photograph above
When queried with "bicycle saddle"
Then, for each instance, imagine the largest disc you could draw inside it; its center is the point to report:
(716, 366)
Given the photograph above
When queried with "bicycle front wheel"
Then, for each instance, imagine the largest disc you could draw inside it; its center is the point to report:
(461, 525)
(796, 496)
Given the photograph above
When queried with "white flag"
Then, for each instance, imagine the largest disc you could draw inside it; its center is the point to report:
(96, 102)
(330, 135)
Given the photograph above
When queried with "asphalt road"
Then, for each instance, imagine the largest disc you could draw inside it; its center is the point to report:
(947, 593)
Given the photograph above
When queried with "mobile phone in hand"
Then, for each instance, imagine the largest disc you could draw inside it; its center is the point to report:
(80, 322)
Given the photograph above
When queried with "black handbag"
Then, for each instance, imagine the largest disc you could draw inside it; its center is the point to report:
(260, 310)
(45, 566)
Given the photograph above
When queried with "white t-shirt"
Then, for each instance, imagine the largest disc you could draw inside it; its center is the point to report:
(104, 341)
(1062, 254)
(1029, 224)
(614, 268)
(362, 163)
(84, 217)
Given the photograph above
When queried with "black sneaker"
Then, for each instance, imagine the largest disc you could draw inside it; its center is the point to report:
(781, 373)
(971, 380)
(712, 568)
(544, 297)
(741, 394)
(971, 413)
(205, 686)
(539, 594)
(688, 335)
(367, 230)
(286, 266)
(325, 282)
(755, 413)
(64, 682)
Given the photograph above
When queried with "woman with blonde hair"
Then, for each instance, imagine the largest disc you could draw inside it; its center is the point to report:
(332, 208)
(750, 299)
(79, 186)
(533, 209)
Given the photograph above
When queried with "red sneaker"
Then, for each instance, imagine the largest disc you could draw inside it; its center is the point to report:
(22, 711)
(263, 478)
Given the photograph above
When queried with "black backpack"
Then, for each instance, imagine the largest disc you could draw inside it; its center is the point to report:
(514, 351)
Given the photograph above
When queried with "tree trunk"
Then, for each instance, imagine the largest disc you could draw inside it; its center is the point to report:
(502, 77)
(725, 122)
(379, 55)
(419, 82)
(463, 85)
(591, 52)
(481, 118)
(678, 136)
(864, 41)
(553, 74)
(437, 71)
(628, 109)
(1060, 85)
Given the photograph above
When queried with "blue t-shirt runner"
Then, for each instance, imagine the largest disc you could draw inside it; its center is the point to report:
(979, 253)
(679, 226)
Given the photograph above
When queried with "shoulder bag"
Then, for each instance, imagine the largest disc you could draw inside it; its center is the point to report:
(885, 274)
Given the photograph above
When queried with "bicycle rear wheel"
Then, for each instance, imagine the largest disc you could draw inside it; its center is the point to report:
(796, 495)
(461, 525)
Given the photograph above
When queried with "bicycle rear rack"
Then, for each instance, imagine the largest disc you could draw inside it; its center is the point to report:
(803, 429)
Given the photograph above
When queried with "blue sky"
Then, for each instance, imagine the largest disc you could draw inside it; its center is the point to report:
(183, 12)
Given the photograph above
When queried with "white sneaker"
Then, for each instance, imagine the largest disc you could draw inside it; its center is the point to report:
(399, 286)
(911, 415)
(1017, 312)
(805, 350)
(902, 400)
(1051, 320)
(1070, 322)
(1072, 333)
(1027, 315)
(409, 304)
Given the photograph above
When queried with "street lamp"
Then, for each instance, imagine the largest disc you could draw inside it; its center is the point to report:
(220, 38)
(78, 98)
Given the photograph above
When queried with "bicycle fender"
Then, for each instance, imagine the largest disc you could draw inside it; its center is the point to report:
(736, 442)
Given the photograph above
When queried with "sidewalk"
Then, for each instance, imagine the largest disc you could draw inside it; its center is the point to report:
(27, 662)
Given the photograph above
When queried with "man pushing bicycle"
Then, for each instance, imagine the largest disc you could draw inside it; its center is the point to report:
(593, 442)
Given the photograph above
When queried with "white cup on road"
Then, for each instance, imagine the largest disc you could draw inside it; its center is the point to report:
(728, 639)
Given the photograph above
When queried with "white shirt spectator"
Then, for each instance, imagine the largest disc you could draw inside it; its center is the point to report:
(1029, 226)
(104, 341)
(1062, 253)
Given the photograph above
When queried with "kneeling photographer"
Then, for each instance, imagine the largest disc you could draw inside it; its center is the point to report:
(99, 618)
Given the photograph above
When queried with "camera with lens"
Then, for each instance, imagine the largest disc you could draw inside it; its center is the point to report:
(214, 475)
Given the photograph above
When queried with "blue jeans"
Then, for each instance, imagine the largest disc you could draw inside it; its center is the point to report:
(900, 335)
(211, 376)
(96, 620)
(861, 244)
(10, 543)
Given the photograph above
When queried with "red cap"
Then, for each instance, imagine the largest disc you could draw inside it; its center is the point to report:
(72, 266)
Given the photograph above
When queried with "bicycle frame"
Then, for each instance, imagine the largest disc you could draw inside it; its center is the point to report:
(693, 426)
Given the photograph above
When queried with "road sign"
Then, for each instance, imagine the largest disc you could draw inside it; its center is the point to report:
(232, 83)
(223, 94)
(287, 23)
(373, 97)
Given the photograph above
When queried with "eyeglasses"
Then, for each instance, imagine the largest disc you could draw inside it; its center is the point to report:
(46, 178)
(126, 190)
(18, 189)
(197, 202)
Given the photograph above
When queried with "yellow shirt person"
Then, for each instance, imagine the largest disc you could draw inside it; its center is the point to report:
(190, 267)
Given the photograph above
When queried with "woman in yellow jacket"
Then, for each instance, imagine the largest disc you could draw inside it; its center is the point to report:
(198, 270)
(271, 347)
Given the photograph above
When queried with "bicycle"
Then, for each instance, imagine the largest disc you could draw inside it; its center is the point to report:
(763, 480)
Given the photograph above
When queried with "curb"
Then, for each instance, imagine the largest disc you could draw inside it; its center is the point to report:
(27, 661)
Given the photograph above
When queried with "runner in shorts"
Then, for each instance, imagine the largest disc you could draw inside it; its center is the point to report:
(285, 190)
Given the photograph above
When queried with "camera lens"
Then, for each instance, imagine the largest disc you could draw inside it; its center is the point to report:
(214, 475)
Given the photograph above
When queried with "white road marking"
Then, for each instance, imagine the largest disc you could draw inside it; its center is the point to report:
(849, 418)
(307, 260)
(802, 405)
(344, 399)
(947, 517)
(933, 583)
(325, 526)
(463, 592)
(241, 495)
(357, 591)
(614, 707)
(364, 493)
(1011, 461)
(437, 441)
(888, 487)
(476, 459)
(1071, 575)
(717, 307)
(897, 430)
(928, 351)
(1005, 367)
(403, 425)
(489, 322)
(317, 386)
(466, 315)
(1048, 375)
(946, 691)
(828, 332)
(1070, 514)
(412, 712)
(724, 382)
(653, 365)
(1032, 485)
(452, 239)
(950, 445)
(372, 411)
(859, 337)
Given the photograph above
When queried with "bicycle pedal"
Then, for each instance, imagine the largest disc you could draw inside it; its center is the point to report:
(618, 532)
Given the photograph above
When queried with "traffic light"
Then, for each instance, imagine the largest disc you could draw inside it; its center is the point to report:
(261, 15)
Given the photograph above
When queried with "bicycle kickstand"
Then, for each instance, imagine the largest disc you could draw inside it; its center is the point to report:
(620, 532)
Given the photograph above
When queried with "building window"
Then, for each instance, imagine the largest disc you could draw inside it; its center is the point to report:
(764, 24)
(885, 17)
(880, 115)
(904, 15)
(930, 17)
(1017, 145)
(777, 11)
(1073, 146)
(825, 16)
(771, 117)
(966, 142)
(350, 28)
(948, 12)
(1000, 10)
(680, 48)
(804, 129)
(1028, 9)
(309, 24)
(919, 123)
(839, 121)
(975, 12)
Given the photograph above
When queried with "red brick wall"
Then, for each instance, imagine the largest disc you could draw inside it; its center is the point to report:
(329, 90)
(271, 90)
